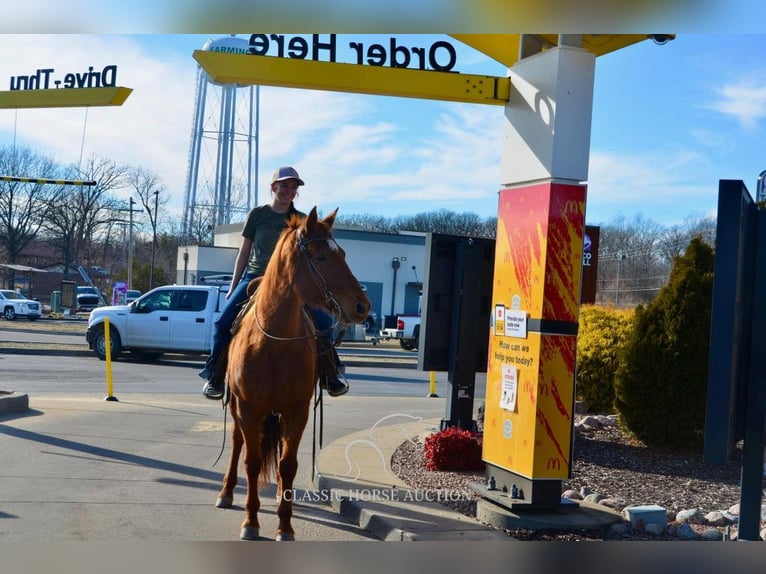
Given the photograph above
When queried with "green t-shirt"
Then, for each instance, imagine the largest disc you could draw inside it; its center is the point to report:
(264, 226)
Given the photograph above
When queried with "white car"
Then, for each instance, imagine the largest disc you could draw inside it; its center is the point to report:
(15, 305)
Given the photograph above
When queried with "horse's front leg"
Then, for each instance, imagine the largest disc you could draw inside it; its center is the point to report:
(288, 467)
(226, 496)
(252, 433)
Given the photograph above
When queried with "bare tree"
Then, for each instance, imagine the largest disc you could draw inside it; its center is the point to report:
(631, 268)
(674, 240)
(78, 215)
(367, 222)
(23, 205)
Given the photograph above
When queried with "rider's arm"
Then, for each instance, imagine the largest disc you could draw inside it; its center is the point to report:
(240, 264)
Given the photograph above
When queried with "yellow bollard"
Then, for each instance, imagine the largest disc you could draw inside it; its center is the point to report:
(432, 390)
(108, 353)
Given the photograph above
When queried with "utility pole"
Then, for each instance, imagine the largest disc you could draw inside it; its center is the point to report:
(154, 237)
(621, 256)
(130, 247)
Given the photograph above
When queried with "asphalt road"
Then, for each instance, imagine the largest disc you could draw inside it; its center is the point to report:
(143, 467)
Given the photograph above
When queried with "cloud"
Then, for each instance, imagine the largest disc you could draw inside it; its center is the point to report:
(744, 101)
(366, 153)
(652, 183)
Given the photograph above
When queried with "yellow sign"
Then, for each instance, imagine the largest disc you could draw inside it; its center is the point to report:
(64, 97)
(246, 69)
(528, 416)
(530, 375)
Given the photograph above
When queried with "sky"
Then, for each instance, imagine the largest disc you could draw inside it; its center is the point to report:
(669, 121)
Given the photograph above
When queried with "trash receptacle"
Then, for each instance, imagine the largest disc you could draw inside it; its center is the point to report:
(56, 302)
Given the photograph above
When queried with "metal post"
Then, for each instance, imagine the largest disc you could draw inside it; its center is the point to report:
(154, 238)
(395, 266)
(130, 247)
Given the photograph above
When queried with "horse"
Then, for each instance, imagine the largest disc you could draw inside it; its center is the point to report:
(272, 361)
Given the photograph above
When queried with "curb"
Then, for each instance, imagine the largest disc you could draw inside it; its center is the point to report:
(13, 402)
(358, 485)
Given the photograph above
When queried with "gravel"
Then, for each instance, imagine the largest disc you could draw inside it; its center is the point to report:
(609, 463)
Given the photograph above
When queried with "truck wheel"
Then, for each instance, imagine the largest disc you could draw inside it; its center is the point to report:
(99, 343)
(9, 314)
(407, 344)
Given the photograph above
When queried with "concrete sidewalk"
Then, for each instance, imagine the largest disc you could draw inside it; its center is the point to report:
(355, 472)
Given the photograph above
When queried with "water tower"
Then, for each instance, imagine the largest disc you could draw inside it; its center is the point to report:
(222, 175)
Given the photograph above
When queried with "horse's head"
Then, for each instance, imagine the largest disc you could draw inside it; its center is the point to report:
(325, 281)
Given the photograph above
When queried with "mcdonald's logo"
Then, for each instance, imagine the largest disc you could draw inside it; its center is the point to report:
(571, 207)
(553, 463)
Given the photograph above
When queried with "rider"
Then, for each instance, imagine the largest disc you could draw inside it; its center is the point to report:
(261, 231)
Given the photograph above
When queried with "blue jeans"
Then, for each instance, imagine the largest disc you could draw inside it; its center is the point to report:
(222, 327)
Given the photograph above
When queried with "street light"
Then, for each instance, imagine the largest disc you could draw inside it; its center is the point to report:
(154, 237)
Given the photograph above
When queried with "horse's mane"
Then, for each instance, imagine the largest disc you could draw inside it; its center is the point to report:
(273, 274)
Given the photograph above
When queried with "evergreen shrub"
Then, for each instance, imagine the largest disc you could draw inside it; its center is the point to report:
(661, 383)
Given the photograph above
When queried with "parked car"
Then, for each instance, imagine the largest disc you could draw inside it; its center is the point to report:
(14, 305)
(131, 295)
(88, 298)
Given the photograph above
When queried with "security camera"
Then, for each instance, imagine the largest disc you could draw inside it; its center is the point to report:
(661, 39)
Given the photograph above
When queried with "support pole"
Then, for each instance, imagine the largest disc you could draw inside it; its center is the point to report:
(108, 352)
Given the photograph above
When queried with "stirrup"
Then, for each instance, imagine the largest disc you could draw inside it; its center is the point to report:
(334, 386)
(212, 391)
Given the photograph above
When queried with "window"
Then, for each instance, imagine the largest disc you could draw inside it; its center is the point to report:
(157, 301)
(189, 300)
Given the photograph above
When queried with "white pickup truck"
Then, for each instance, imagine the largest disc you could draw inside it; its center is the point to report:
(407, 331)
(168, 319)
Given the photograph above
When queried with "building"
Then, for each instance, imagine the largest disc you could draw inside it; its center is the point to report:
(390, 266)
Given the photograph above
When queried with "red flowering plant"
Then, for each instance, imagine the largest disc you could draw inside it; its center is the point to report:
(454, 449)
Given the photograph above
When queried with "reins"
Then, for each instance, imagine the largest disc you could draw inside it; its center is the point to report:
(321, 283)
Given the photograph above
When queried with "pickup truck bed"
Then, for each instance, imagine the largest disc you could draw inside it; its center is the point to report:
(407, 331)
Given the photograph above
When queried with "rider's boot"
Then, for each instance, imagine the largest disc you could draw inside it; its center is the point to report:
(327, 364)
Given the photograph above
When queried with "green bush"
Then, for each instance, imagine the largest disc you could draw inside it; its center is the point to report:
(661, 383)
(600, 339)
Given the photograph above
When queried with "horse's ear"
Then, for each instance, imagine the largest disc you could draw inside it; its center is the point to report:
(330, 219)
(311, 219)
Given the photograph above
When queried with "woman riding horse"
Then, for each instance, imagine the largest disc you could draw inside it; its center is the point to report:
(272, 362)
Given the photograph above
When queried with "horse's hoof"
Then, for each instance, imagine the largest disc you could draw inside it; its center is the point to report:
(249, 533)
(286, 537)
(224, 501)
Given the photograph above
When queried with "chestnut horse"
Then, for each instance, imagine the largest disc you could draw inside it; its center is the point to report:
(272, 361)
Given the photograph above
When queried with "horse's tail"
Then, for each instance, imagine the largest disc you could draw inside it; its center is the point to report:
(270, 447)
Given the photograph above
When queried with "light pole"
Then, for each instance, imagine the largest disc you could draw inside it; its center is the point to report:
(395, 266)
(621, 256)
(154, 237)
(130, 247)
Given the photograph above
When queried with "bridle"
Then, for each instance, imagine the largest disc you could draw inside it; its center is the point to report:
(321, 283)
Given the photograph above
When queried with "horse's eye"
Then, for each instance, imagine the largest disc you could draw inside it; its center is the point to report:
(320, 256)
